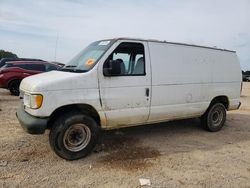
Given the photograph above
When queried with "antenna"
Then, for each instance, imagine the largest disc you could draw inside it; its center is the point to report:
(56, 45)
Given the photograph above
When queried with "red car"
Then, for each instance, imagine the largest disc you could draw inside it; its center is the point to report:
(12, 73)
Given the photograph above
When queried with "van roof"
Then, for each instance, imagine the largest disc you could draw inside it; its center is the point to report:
(177, 43)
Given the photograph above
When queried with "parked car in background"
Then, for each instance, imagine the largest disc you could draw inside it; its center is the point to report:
(244, 78)
(3, 61)
(12, 73)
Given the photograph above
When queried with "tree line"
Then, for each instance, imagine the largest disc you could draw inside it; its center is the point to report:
(7, 54)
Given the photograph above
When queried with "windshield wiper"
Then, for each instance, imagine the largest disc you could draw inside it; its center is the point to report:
(72, 70)
(70, 66)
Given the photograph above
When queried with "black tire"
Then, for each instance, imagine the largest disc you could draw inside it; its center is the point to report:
(214, 118)
(14, 87)
(66, 132)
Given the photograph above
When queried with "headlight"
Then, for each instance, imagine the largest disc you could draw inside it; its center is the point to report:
(33, 101)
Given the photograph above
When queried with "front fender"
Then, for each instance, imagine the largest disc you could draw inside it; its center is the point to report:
(52, 100)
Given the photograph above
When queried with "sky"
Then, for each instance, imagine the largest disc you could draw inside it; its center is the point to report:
(56, 30)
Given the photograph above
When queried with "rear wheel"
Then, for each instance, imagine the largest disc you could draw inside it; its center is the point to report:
(214, 118)
(14, 87)
(73, 136)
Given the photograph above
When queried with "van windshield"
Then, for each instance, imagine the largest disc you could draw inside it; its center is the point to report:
(87, 58)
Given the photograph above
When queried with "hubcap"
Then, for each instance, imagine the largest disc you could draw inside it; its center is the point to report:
(77, 137)
(217, 117)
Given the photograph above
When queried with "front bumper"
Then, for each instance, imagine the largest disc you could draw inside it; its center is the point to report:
(31, 124)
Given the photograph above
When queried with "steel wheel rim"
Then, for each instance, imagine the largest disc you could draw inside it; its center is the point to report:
(76, 137)
(217, 117)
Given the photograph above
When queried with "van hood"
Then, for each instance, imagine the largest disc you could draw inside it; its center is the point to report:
(59, 80)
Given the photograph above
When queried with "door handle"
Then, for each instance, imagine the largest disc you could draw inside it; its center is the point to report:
(147, 92)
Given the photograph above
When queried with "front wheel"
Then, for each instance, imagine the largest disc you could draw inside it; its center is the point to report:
(214, 118)
(73, 136)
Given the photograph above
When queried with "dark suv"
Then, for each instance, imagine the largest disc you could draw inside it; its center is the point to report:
(12, 73)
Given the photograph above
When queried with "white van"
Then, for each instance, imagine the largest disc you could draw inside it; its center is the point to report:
(126, 82)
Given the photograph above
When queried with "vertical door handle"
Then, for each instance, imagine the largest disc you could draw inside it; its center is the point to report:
(147, 92)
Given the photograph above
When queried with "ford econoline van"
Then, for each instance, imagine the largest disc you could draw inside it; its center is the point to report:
(127, 82)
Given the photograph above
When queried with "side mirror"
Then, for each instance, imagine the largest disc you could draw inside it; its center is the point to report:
(112, 68)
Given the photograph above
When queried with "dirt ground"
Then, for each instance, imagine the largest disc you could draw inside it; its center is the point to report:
(173, 154)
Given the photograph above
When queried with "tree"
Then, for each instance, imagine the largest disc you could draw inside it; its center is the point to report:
(4, 54)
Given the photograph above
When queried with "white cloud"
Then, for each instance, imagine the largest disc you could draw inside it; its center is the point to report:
(29, 28)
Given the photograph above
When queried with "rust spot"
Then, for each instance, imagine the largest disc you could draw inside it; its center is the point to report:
(125, 153)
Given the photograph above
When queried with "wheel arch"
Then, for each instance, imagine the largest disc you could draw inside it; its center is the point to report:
(83, 108)
(12, 80)
(222, 99)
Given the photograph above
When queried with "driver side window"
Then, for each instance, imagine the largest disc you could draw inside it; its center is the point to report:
(124, 59)
(129, 58)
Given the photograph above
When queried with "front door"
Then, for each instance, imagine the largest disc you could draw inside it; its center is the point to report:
(126, 97)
